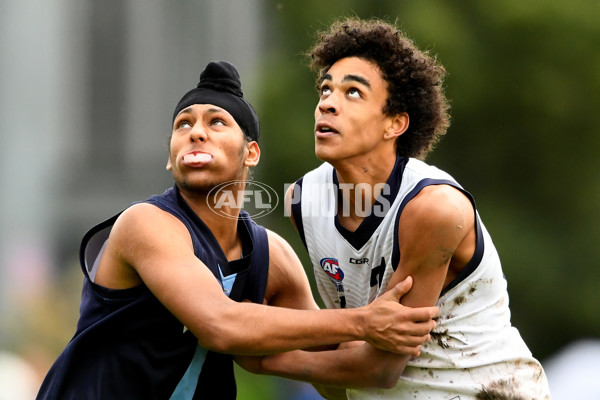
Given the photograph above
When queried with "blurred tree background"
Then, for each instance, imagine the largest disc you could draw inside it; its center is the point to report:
(524, 84)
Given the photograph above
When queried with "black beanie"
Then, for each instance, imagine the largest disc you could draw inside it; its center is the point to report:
(220, 85)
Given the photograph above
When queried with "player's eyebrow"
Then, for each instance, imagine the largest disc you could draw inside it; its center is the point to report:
(187, 110)
(357, 78)
(212, 110)
(354, 78)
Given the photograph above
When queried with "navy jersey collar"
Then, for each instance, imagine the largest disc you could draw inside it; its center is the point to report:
(365, 230)
(227, 267)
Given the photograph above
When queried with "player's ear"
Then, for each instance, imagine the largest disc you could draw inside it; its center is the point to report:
(169, 165)
(398, 124)
(252, 154)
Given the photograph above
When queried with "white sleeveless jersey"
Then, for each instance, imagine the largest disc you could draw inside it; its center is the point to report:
(474, 353)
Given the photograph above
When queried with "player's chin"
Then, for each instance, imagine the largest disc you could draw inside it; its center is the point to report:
(326, 153)
(197, 184)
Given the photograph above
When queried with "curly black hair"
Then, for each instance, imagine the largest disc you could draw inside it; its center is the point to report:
(414, 77)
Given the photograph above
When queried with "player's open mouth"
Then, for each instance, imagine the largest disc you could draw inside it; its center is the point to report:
(323, 129)
(196, 158)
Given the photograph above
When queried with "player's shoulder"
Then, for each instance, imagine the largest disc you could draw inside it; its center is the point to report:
(421, 169)
(439, 204)
(440, 194)
(281, 253)
(311, 183)
(146, 220)
(139, 212)
(278, 246)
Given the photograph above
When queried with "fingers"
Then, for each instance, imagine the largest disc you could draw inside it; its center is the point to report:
(407, 345)
(412, 345)
(403, 287)
(421, 329)
(424, 313)
(419, 321)
(415, 341)
(413, 351)
(400, 289)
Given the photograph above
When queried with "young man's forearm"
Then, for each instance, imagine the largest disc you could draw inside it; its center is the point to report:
(252, 329)
(257, 330)
(358, 367)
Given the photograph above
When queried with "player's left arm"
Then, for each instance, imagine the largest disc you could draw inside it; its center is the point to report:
(434, 226)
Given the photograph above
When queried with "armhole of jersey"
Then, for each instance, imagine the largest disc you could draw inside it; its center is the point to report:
(260, 262)
(90, 252)
(473, 263)
(297, 211)
(93, 245)
(91, 249)
(479, 245)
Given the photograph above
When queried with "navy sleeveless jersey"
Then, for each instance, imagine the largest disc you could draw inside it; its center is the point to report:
(129, 346)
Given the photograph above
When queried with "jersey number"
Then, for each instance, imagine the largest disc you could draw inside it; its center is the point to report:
(377, 273)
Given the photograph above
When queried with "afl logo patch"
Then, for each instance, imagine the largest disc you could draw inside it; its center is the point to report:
(332, 268)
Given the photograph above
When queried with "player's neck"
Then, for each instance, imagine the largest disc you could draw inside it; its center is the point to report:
(365, 169)
(221, 220)
(361, 182)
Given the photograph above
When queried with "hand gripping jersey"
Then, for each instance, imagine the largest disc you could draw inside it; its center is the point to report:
(129, 347)
(474, 353)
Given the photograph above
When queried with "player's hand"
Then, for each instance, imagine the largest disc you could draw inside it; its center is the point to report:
(397, 328)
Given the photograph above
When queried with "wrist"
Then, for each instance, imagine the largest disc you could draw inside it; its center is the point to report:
(265, 365)
(283, 364)
(360, 324)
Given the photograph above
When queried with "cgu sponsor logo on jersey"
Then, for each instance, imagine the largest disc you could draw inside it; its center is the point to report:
(332, 268)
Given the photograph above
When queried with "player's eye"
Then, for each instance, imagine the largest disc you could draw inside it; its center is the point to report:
(354, 93)
(217, 122)
(183, 124)
(325, 90)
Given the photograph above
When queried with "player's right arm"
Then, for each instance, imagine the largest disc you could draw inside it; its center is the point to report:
(412, 322)
(359, 366)
(288, 287)
(151, 246)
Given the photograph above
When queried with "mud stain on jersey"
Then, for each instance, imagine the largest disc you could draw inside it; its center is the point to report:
(460, 300)
(441, 338)
(472, 289)
(502, 389)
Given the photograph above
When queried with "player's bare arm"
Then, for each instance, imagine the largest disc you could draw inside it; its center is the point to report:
(437, 239)
(357, 366)
(436, 235)
(349, 363)
(288, 286)
(161, 254)
(413, 321)
(436, 231)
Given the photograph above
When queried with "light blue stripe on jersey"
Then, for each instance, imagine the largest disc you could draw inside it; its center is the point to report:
(227, 282)
(187, 385)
